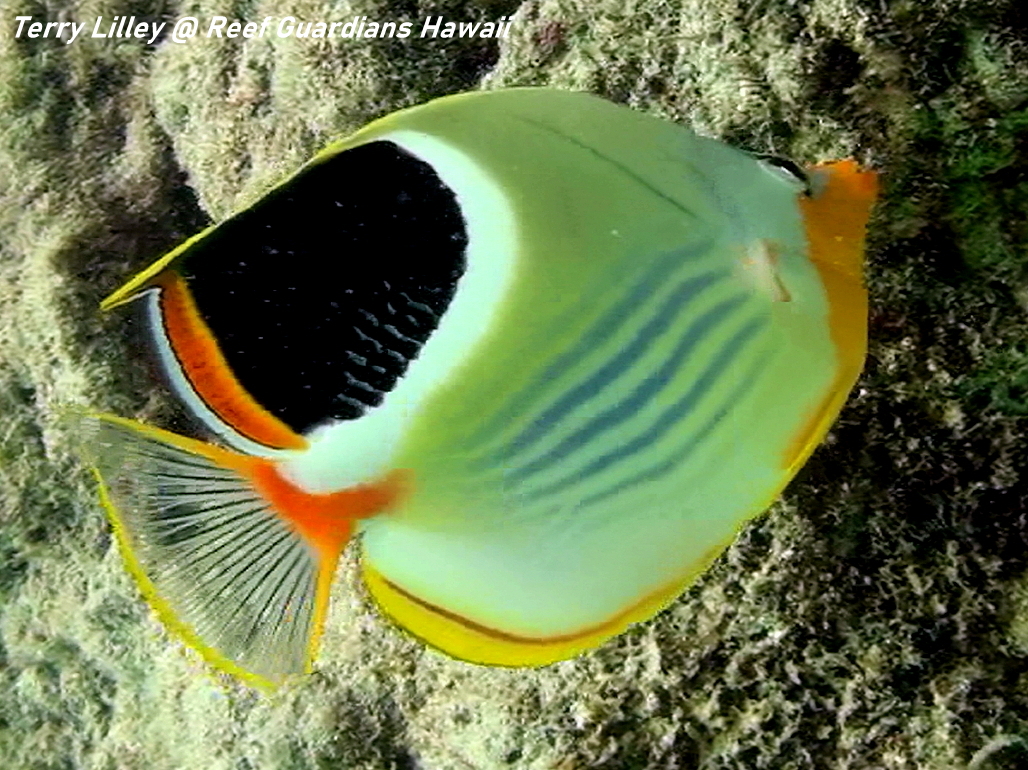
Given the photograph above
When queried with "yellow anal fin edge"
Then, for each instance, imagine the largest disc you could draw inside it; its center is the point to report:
(203, 532)
(466, 640)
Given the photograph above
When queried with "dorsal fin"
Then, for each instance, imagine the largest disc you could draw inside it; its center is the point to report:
(315, 299)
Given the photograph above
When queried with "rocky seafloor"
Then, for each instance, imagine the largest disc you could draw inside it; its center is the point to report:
(876, 617)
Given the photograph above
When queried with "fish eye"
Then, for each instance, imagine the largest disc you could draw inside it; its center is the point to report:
(783, 168)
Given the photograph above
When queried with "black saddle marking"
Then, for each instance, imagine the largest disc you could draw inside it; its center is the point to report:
(322, 292)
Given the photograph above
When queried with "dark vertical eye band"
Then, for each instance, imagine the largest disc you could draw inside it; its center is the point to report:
(787, 168)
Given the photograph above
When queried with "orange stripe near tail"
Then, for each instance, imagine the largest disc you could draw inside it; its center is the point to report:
(236, 559)
(207, 371)
(326, 520)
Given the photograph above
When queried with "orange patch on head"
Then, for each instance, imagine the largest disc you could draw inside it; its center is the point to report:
(207, 371)
(835, 221)
(836, 218)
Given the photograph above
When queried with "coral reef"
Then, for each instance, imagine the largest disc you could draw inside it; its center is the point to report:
(877, 616)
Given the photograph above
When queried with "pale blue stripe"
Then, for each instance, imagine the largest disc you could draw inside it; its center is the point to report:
(638, 297)
(666, 420)
(642, 395)
(596, 383)
(684, 450)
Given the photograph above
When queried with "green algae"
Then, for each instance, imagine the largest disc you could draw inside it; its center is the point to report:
(875, 617)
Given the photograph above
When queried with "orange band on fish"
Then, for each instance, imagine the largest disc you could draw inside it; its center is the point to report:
(325, 520)
(204, 365)
(835, 222)
(262, 522)
(566, 349)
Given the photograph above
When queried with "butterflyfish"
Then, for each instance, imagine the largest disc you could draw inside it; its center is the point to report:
(545, 355)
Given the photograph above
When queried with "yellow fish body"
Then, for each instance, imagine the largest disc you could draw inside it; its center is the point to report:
(545, 353)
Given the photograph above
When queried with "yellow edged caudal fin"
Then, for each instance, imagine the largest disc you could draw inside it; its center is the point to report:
(835, 219)
(234, 559)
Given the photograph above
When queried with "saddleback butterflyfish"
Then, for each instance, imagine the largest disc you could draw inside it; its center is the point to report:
(544, 353)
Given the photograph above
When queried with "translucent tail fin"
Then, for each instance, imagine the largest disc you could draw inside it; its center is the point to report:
(222, 567)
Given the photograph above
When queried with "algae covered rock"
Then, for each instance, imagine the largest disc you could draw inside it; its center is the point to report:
(874, 618)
